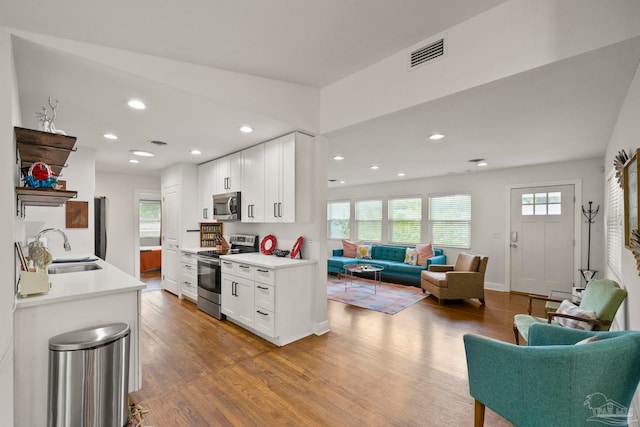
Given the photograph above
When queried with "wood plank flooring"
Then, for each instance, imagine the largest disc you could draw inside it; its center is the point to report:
(372, 369)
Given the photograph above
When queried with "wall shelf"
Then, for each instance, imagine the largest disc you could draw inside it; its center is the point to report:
(50, 148)
(44, 196)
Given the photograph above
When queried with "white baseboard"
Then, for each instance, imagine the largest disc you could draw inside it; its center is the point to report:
(321, 328)
(495, 286)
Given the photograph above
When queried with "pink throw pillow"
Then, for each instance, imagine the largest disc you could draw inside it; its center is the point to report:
(424, 252)
(349, 248)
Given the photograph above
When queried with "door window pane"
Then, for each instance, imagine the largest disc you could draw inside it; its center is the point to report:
(542, 203)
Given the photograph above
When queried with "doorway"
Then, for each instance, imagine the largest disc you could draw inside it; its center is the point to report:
(149, 257)
(541, 238)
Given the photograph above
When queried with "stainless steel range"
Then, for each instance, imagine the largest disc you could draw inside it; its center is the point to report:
(209, 274)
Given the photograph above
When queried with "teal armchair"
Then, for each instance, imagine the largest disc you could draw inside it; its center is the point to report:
(553, 382)
(601, 296)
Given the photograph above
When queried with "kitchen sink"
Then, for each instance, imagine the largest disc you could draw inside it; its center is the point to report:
(72, 268)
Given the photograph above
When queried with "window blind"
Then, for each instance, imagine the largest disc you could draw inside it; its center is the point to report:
(405, 220)
(369, 220)
(450, 220)
(338, 216)
(614, 224)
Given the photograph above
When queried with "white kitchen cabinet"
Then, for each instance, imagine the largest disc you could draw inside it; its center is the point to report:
(228, 174)
(189, 275)
(179, 215)
(288, 177)
(238, 298)
(253, 180)
(206, 183)
(280, 175)
(282, 298)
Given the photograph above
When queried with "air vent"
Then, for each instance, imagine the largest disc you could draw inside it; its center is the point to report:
(161, 143)
(426, 54)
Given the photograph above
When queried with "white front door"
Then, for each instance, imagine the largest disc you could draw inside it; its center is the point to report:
(542, 239)
(170, 237)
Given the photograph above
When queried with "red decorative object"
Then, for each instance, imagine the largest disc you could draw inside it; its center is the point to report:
(40, 171)
(268, 244)
(296, 247)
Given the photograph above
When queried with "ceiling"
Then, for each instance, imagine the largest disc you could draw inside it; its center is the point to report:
(562, 111)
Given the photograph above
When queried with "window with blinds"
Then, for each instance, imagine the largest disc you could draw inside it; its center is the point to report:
(614, 230)
(369, 220)
(149, 212)
(450, 220)
(405, 218)
(338, 216)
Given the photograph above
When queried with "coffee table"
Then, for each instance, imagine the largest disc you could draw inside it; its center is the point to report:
(352, 269)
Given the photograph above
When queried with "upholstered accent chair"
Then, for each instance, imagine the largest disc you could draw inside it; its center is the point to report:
(464, 280)
(552, 382)
(601, 296)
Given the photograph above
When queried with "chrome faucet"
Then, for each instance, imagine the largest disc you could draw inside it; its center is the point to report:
(67, 246)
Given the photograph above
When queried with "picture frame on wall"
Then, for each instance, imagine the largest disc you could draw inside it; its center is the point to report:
(631, 185)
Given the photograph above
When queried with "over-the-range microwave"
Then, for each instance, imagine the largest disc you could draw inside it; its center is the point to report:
(226, 207)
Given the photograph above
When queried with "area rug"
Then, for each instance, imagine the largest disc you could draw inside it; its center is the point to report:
(389, 298)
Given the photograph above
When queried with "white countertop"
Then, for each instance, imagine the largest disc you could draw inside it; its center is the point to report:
(84, 284)
(267, 261)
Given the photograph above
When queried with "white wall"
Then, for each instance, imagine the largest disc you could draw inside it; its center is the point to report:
(80, 177)
(122, 215)
(513, 37)
(489, 206)
(626, 136)
(9, 116)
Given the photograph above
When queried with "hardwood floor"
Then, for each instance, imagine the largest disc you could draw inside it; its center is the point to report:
(372, 369)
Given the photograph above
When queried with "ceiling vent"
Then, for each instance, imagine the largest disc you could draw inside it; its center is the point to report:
(427, 54)
(160, 143)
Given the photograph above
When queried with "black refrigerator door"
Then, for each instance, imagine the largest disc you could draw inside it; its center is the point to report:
(100, 229)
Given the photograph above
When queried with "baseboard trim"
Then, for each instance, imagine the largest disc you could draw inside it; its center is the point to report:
(321, 328)
(495, 286)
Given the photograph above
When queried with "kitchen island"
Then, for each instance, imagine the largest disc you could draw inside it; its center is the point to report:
(76, 300)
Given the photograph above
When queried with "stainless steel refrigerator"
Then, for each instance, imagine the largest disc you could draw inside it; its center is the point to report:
(100, 226)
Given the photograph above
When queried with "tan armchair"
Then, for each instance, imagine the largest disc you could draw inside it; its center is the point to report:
(463, 280)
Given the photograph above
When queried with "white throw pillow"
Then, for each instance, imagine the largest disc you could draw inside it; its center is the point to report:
(567, 307)
(411, 256)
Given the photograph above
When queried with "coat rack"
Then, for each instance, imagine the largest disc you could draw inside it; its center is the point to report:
(589, 214)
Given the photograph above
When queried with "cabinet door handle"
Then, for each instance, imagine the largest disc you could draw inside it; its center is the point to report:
(280, 210)
(263, 288)
(262, 271)
(187, 283)
(205, 213)
(233, 289)
(275, 210)
(262, 312)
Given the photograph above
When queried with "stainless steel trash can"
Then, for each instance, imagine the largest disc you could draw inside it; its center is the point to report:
(89, 377)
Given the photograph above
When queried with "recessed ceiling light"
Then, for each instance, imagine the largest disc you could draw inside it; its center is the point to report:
(246, 129)
(436, 136)
(342, 182)
(338, 158)
(374, 167)
(141, 153)
(137, 104)
(483, 164)
(110, 136)
(134, 161)
(401, 174)
(195, 152)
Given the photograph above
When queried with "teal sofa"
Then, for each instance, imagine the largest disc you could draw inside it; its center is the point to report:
(392, 259)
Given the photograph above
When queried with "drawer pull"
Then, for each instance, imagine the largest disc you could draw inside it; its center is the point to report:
(187, 283)
(263, 313)
(226, 262)
(244, 266)
(263, 271)
(263, 288)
